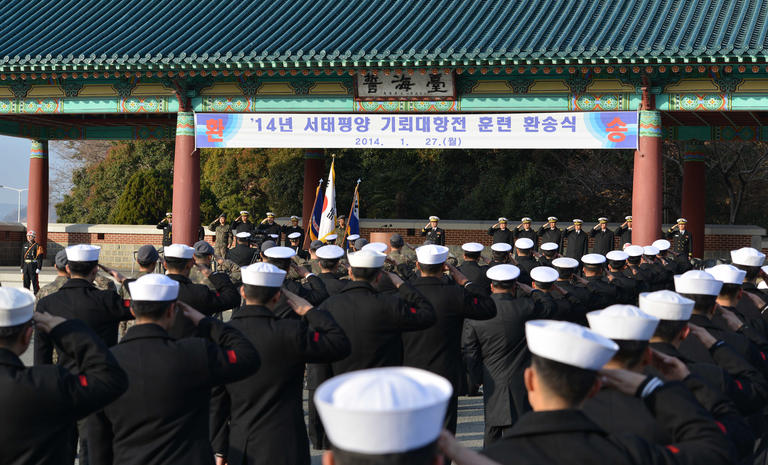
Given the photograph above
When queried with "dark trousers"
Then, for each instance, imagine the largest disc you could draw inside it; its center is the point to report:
(494, 433)
(30, 276)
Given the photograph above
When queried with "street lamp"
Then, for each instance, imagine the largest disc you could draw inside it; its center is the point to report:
(18, 209)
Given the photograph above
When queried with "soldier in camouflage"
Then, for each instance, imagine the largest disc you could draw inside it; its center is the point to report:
(224, 235)
(146, 258)
(401, 260)
(60, 263)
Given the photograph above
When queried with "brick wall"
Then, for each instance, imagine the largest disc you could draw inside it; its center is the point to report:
(119, 242)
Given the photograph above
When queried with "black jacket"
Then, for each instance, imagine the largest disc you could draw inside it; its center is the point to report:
(502, 235)
(313, 291)
(41, 404)
(569, 437)
(624, 234)
(476, 273)
(436, 235)
(374, 323)
(603, 292)
(260, 419)
(163, 417)
(167, 232)
(577, 243)
(603, 240)
(242, 254)
(438, 348)
(203, 299)
(530, 234)
(500, 344)
(101, 311)
(548, 234)
(333, 285)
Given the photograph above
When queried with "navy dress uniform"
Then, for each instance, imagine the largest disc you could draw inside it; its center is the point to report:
(524, 230)
(500, 234)
(603, 237)
(167, 227)
(243, 254)
(472, 269)
(681, 238)
(294, 228)
(199, 296)
(577, 240)
(243, 223)
(433, 232)
(438, 348)
(269, 227)
(550, 232)
(568, 436)
(333, 253)
(260, 418)
(499, 343)
(624, 231)
(163, 418)
(32, 255)
(41, 404)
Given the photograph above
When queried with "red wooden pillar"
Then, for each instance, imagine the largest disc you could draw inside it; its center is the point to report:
(37, 196)
(694, 193)
(314, 165)
(647, 180)
(186, 182)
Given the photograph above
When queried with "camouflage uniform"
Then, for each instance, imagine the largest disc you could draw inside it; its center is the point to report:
(341, 234)
(197, 277)
(125, 295)
(232, 269)
(224, 237)
(405, 263)
(50, 288)
(104, 283)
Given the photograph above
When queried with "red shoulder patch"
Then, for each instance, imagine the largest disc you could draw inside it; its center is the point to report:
(474, 301)
(722, 427)
(126, 303)
(83, 380)
(316, 337)
(232, 356)
(673, 449)
(413, 309)
(739, 385)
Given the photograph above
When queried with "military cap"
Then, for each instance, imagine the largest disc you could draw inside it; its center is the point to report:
(353, 237)
(61, 259)
(628, 218)
(266, 245)
(294, 217)
(244, 212)
(552, 219)
(662, 244)
(634, 250)
(526, 220)
(682, 221)
(314, 245)
(179, 251)
(472, 247)
(377, 246)
(83, 253)
(432, 254)
(502, 220)
(523, 243)
(501, 247)
(243, 235)
(270, 215)
(274, 236)
(263, 274)
(360, 243)
(578, 221)
(223, 215)
(617, 256)
(366, 259)
(396, 240)
(697, 282)
(747, 256)
(544, 274)
(650, 250)
(434, 218)
(331, 237)
(329, 252)
(666, 305)
(147, 254)
(728, 274)
(545, 246)
(203, 248)
(294, 236)
(593, 259)
(342, 217)
(31, 233)
(279, 252)
(602, 220)
(168, 214)
(565, 262)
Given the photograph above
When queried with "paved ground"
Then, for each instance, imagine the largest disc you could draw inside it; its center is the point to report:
(470, 423)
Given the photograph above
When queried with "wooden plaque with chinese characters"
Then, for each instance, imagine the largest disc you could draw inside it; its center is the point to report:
(404, 86)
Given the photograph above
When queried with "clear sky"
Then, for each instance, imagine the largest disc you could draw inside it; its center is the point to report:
(14, 172)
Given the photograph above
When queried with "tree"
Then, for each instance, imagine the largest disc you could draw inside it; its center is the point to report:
(146, 197)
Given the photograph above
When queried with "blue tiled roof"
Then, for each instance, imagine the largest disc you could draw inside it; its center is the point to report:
(38, 35)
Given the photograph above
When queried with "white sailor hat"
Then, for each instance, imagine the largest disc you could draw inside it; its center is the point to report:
(353, 237)
(576, 345)
(565, 262)
(279, 252)
(17, 305)
(697, 282)
(547, 246)
(377, 246)
(263, 274)
(650, 251)
(602, 219)
(501, 247)
(666, 305)
(616, 256)
(502, 220)
(662, 244)
(431, 254)
(623, 322)
(552, 219)
(243, 235)
(502, 272)
(434, 218)
(366, 259)
(294, 235)
(544, 274)
(593, 259)
(84, 253)
(747, 256)
(179, 251)
(383, 410)
(628, 218)
(270, 215)
(523, 243)
(728, 274)
(329, 252)
(154, 287)
(472, 247)
(634, 250)
(762, 285)
(244, 212)
(578, 221)
(525, 219)
(274, 236)
(331, 237)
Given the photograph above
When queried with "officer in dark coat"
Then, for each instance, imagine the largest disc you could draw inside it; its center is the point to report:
(501, 233)
(260, 419)
(602, 236)
(269, 227)
(243, 254)
(624, 231)
(432, 232)
(524, 229)
(471, 267)
(438, 348)
(41, 404)
(500, 344)
(179, 261)
(564, 375)
(681, 238)
(243, 223)
(32, 255)
(328, 259)
(167, 227)
(294, 228)
(164, 416)
(578, 240)
(551, 233)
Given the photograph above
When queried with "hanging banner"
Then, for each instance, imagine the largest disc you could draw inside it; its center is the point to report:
(584, 130)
